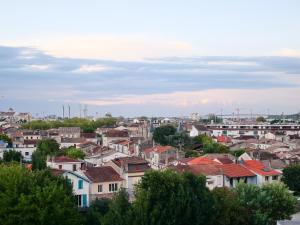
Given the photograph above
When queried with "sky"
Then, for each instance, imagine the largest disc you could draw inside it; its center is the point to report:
(153, 58)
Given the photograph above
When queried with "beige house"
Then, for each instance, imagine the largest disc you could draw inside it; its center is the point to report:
(105, 181)
(131, 169)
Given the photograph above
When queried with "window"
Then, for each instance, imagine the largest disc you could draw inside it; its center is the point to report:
(78, 199)
(275, 177)
(113, 187)
(60, 167)
(266, 178)
(74, 167)
(26, 153)
(100, 188)
(80, 184)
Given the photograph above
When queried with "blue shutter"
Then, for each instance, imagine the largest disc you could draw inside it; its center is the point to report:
(84, 201)
(80, 184)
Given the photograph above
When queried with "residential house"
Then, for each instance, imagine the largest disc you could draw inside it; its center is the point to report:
(235, 173)
(105, 181)
(80, 185)
(69, 132)
(113, 135)
(64, 163)
(91, 137)
(213, 174)
(71, 142)
(264, 174)
(199, 130)
(131, 169)
(160, 155)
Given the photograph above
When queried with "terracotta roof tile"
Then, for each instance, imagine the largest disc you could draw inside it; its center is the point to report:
(236, 170)
(102, 174)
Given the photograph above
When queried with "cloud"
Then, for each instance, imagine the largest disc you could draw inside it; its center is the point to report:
(288, 52)
(91, 69)
(106, 47)
(38, 67)
(186, 83)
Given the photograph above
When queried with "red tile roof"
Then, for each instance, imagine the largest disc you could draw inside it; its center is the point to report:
(116, 133)
(235, 170)
(204, 169)
(62, 159)
(102, 174)
(158, 149)
(223, 139)
(202, 160)
(225, 160)
(259, 168)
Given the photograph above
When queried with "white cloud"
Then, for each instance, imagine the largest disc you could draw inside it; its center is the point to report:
(288, 52)
(91, 68)
(106, 47)
(38, 67)
(256, 99)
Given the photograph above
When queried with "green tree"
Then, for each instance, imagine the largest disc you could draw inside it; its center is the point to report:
(96, 211)
(229, 209)
(238, 152)
(169, 198)
(48, 146)
(162, 135)
(44, 148)
(260, 119)
(35, 198)
(191, 153)
(119, 209)
(6, 139)
(266, 204)
(291, 177)
(74, 153)
(12, 155)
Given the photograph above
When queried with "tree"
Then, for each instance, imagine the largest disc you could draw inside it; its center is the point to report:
(38, 160)
(74, 153)
(266, 204)
(291, 177)
(173, 199)
(96, 211)
(48, 146)
(191, 153)
(6, 139)
(238, 152)
(35, 198)
(12, 155)
(229, 209)
(260, 119)
(119, 209)
(162, 135)
(44, 148)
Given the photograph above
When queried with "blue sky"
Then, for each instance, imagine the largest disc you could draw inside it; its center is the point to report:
(150, 57)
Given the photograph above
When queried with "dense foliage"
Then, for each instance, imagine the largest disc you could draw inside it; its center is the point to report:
(72, 152)
(209, 145)
(44, 148)
(162, 135)
(85, 124)
(12, 156)
(6, 139)
(35, 198)
(229, 210)
(291, 177)
(266, 204)
(173, 199)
